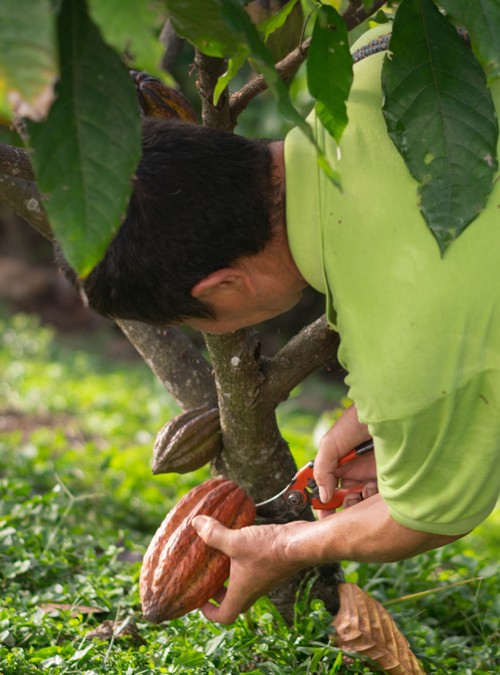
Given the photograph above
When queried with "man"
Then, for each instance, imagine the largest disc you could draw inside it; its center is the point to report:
(224, 232)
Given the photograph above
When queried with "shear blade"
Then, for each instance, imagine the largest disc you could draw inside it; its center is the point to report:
(280, 510)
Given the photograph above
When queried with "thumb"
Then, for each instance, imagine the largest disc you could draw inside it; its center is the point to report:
(345, 434)
(211, 531)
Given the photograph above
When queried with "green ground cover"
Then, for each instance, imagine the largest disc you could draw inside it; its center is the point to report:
(78, 505)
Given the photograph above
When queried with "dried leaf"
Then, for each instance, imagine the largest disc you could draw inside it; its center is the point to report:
(365, 627)
(111, 629)
(55, 607)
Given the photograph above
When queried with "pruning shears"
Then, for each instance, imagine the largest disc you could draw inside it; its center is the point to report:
(302, 491)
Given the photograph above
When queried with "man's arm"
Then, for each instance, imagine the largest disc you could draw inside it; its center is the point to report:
(262, 556)
(265, 555)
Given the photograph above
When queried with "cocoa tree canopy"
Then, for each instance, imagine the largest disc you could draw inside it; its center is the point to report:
(63, 70)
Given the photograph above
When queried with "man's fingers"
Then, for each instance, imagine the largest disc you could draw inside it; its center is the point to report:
(343, 436)
(231, 603)
(370, 488)
(219, 595)
(351, 499)
(213, 533)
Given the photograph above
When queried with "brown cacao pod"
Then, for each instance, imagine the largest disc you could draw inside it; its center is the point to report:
(156, 99)
(180, 572)
(188, 442)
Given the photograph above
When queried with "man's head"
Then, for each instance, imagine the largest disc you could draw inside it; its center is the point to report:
(202, 200)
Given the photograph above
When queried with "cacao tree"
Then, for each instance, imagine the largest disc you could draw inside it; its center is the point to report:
(70, 142)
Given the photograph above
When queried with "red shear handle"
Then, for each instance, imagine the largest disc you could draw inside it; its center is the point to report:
(340, 493)
(305, 483)
(338, 497)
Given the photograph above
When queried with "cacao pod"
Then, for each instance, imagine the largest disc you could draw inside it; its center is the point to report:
(156, 99)
(188, 442)
(179, 571)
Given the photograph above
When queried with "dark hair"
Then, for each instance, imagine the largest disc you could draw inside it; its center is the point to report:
(202, 199)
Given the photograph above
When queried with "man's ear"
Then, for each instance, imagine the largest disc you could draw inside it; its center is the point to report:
(226, 280)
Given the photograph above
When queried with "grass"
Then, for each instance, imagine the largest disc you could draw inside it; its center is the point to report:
(78, 506)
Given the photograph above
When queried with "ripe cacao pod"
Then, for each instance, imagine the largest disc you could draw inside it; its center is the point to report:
(188, 442)
(179, 571)
(156, 99)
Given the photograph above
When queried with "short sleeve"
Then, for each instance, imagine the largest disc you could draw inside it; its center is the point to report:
(438, 469)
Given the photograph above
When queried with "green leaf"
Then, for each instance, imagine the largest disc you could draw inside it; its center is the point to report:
(482, 20)
(329, 70)
(132, 27)
(233, 66)
(88, 148)
(440, 115)
(202, 24)
(276, 21)
(28, 65)
(238, 22)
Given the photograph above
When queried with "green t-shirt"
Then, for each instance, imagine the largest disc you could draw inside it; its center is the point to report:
(420, 334)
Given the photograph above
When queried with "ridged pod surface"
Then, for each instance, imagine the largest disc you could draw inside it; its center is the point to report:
(179, 571)
(188, 442)
(158, 100)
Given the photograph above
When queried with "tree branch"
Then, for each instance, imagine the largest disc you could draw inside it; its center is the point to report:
(209, 70)
(315, 345)
(176, 361)
(353, 16)
(15, 162)
(24, 198)
(285, 68)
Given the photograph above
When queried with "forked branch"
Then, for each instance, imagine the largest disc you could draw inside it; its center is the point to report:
(354, 15)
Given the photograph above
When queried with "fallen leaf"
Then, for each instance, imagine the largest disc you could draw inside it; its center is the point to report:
(54, 607)
(111, 629)
(365, 627)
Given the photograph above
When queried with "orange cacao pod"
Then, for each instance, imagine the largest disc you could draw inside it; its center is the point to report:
(179, 571)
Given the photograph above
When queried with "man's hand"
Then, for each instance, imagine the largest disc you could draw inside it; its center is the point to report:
(341, 438)
(258, 563)
(264, 555)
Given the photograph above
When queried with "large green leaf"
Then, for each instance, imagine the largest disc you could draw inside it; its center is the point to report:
(132, 27)
(329, 70)
(202, 24)
(482, 20)
(440, 115)
(28, 65)
(87, 150)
